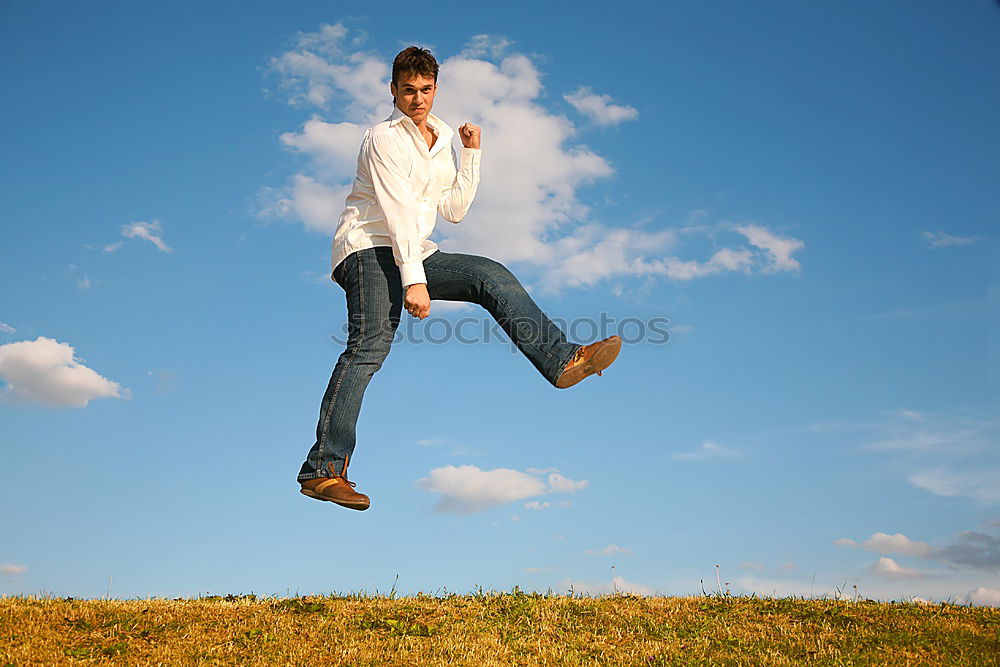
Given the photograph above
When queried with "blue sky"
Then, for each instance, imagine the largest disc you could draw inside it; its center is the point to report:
(806, 191)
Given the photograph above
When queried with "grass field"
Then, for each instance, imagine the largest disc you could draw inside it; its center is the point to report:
(513, 628)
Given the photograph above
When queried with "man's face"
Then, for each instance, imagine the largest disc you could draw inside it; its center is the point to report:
(414, 95)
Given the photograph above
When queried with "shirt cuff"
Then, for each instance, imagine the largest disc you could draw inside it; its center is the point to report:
(470, 157)
(412, 272)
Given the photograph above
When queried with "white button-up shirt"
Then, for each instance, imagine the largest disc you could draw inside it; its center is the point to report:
(400, 187)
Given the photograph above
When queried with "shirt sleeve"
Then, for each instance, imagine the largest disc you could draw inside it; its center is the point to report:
(394, 195)
(457, 198)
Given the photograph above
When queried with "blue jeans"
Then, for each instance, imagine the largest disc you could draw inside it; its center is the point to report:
(371, 281)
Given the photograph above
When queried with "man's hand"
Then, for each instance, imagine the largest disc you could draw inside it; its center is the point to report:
(470, 135)
(417, 301)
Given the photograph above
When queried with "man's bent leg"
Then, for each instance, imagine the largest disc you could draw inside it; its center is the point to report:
(371, 282)
(453, 276)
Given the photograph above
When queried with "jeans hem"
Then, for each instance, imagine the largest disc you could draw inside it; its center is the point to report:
(308, 476)
(565, 363)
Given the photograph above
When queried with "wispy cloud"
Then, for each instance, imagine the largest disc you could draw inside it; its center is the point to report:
(12, 569)
(150, 231)
(929, 439)
(779, 250)
(46, 371)
(708, 450)
(978, 484)
(599, 108)
(949, 454)
(6, 328)
(941, 239)
(486, 46)
(609, 550)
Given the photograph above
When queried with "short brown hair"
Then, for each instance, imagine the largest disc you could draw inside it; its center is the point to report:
(413, 60)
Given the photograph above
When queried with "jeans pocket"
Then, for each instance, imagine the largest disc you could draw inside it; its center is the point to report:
(341, 269)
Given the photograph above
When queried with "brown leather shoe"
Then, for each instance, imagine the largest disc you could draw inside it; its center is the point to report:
(588, 360)
(336, 489)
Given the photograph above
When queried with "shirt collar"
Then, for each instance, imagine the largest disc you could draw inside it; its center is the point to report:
(439, 126)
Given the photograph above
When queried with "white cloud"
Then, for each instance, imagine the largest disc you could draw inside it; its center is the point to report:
(111, 247)
(536, 506)
(149, 231)
(85, 282)
(12, 570)
(427, 442)
(845, 542)
(6, 328)
(466, 489)
(899, 544)
(610, 550)
(752, 565)
(942, 240)
(324, 65)
(599, 108)
(890, 569)
(987, 597)
(484, 45)
(527, 207)
(787, 567)
(708, 450)
(979, 484)
(779, 250)
(560, 484)
(46, 371)
(332, 145)
(318, 206)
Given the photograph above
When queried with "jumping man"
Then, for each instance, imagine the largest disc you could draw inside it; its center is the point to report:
(383, 259)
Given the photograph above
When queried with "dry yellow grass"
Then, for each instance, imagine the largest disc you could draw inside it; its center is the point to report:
(495, 629)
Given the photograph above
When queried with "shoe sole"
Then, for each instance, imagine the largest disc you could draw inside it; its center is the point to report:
(603, 358)
(349, 505)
